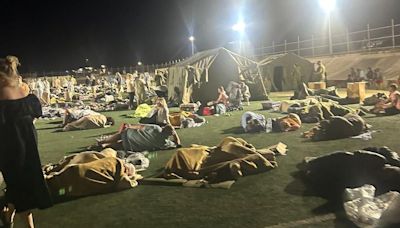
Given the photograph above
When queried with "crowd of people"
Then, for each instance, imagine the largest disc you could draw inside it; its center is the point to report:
(21, 104)
(373, 77)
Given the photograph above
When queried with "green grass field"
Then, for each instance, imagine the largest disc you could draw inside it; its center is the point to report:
(263, 200)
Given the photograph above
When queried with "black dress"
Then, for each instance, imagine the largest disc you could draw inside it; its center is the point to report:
(19, 156)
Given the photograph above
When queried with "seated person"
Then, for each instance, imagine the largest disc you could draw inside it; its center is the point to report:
(89, 173)
(235, 96)
(159, 115)
(176, 99)
(337, 127)
(142, 137)
(252, 122)
(390, 106)
(220, 105)
(87, 120)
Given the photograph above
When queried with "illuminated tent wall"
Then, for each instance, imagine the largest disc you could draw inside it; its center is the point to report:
(277, 71)
(338, 67)
(199, 76)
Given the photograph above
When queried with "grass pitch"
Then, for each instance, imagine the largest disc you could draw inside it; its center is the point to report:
(275, 198)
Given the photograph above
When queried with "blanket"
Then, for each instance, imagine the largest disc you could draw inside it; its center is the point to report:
(220, 166)
(185, 120)
(87, 122)
(88, 173)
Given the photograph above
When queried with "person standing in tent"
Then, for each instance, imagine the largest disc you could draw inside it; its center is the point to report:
(320, 73)
(245, 92)
(296, 76)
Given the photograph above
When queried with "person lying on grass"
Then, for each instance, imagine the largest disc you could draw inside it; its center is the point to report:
(89, 173)
(252, 123)
(337, 127)
(142, 137)
(76, 119)
(390, 106)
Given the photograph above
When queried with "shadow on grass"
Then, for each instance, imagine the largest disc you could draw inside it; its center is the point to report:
(233, 130)
(55, 122)
(79, 150)
(46, 128)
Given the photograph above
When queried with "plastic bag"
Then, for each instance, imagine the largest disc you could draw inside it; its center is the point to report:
(366, 191)
(368, 211)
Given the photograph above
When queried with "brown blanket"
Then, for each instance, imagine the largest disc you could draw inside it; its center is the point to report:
(231, 159)
(88, 173)
(87, 122)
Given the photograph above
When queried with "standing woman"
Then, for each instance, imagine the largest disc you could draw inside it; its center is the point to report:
(19, 156)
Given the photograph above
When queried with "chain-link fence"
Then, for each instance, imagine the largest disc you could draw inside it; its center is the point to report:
(370, 39)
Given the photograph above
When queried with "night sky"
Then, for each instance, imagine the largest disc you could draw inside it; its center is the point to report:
(55, 35)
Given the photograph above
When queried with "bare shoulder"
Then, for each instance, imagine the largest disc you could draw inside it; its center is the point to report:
(12, 93)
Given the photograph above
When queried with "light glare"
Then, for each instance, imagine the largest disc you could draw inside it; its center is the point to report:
(239, 27)
(327, 5)
(191, 38)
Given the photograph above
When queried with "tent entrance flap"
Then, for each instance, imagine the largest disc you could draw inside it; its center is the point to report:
(278, 77)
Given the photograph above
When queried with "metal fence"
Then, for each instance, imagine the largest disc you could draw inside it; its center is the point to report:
(370, 39)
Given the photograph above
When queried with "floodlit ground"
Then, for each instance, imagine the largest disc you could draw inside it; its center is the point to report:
(268, 199)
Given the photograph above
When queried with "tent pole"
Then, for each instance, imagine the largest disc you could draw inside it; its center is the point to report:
(262, 83)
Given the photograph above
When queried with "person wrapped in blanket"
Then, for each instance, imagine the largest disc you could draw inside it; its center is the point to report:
(390, 106)
(329, 93)
(313, 110)
(328, 175)
(252, 123)
(337, 127)
(141, 137)
(186, 120)
(89, 173)
(230, 159)
(83, 119)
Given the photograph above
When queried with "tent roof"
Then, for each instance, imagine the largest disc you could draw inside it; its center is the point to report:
(272, 58)
(338, 67)
(199, 56)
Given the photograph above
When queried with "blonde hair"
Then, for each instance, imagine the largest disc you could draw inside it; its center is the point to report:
(9, 72)
(162, 102)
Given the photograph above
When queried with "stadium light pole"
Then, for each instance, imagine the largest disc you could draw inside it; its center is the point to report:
(240, 28)
(191, 39)
(328, 6)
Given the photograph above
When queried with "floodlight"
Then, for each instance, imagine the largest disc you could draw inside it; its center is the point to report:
(139, 63)
(239, 27)
(327, 5)
(191, 38)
